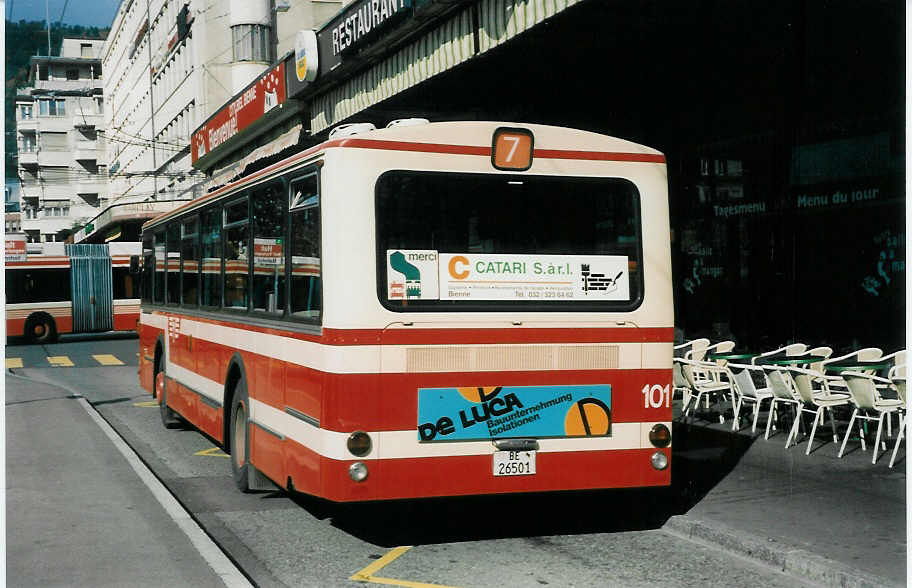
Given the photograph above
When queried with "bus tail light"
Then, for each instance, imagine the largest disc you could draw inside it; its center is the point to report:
(359, 443)
(659, 460)
(660, 436)
(357, 471)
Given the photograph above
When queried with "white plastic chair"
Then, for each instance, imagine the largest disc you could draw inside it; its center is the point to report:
(789, 350)
(721, 347)
(679, 382)
(868, 406)
(865, 354)
(824, 352)
(816, 398)
(897, 358)
(898, 379)
(747, 391)
(783, 393)
(704, 388)
(686, 350)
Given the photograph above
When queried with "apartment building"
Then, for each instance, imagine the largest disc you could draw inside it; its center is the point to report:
(12, 219)
(169, 65)
(60, 133)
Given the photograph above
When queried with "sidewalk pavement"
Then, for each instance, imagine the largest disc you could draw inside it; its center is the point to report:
(836, 522)
(79, 514)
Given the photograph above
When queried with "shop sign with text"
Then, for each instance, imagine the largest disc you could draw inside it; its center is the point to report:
(266, 93)
(361, 24)
(15, 248)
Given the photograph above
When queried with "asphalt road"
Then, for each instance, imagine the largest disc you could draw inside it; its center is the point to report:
(605, 538)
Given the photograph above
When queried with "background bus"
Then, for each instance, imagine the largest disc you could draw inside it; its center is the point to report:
(423, 310)
(63, 288)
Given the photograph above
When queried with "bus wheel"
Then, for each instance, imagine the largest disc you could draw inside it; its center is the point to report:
(169, 418)
(239, 431)
(40, 328)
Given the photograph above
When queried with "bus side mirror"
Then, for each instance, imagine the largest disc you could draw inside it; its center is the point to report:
(134, 264)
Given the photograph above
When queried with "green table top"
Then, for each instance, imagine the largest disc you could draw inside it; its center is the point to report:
(793, 360)
(731, 355)
(856, 365)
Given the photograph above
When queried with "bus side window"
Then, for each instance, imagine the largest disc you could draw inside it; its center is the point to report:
(122, 283)
(158, 291)
(237, 263)
(306, 291)
(148, 268)
(190, 262)
(173, 292)
(212, 258)
(268, 248)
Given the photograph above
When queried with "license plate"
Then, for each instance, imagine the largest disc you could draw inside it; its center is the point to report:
(514, 463)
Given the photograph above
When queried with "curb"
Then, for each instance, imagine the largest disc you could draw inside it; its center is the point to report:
(790, 560)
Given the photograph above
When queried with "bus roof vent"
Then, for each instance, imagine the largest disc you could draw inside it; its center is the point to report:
(407, 122)
(350, 129)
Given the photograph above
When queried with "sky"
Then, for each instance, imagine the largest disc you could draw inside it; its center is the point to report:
(99, 13)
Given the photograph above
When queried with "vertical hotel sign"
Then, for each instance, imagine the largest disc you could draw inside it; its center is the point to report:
(266, 93)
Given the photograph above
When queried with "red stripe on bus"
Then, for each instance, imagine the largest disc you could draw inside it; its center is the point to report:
(484, 151)
(600, 156)
(414, 147)
(498, 336)
(408, 336)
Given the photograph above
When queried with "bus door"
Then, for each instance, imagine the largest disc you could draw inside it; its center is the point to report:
(91, 287)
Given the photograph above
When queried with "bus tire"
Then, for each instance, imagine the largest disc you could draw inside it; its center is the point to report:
(239, 436)
(169, 417)
(40, 328)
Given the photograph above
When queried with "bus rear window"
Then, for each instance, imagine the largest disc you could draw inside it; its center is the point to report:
(450, 241)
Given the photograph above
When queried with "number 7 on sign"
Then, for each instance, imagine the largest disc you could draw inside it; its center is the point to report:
(512, 149)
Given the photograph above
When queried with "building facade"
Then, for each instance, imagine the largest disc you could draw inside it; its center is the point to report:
(169, 65)
(783, 129)
(12, 218)
(60, 133)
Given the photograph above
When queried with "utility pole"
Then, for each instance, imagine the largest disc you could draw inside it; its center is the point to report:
(152, 105)
(47, 19)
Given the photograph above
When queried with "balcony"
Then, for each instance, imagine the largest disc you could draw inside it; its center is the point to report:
(28, 158)
(60, 124)
(83, 84)
(27, 125)
(54, 158)
(86, 151)
(88, 121)
(95, 185)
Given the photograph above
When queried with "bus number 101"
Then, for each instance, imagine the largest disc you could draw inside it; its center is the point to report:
(656, 396)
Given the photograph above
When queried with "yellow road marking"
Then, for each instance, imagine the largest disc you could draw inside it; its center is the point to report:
(212, 452)
(13, 362)
(60, 361)
(146, 404)
(367, 574)
(107, 359)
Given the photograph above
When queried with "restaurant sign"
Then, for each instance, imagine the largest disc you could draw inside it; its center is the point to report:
(361, 24)
(266, 93)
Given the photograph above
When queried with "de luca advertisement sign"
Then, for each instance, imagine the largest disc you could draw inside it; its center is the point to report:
(432, 275)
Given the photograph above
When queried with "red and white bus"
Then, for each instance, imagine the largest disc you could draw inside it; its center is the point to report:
(423, 310)
(55, 288)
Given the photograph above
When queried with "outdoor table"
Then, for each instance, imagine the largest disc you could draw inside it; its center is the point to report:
(837, 367)
(731, 355)
(793, 360)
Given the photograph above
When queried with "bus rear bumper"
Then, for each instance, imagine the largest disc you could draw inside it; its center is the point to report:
(390, 479)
